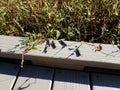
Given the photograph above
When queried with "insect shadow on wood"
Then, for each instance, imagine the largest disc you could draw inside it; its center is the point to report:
(12, 50)
(77, 52)
(62, 43)
(46, 46)
(53, 45)
(118, 47)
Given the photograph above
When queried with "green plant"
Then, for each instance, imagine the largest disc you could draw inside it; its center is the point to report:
(78, 20)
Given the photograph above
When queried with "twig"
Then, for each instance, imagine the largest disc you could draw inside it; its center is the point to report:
(23, 55)
(22, 61)
(98, 48)
(19, 25)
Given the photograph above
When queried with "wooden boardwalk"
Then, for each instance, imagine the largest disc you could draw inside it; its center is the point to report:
(44, 78)
(63, 57)
(62, 70)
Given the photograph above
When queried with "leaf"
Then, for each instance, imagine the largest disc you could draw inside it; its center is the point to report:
(59, 19)
(70, 35)
(18, 25)
(31, 38)
(57, 34)
(35, 48)
(26, 43)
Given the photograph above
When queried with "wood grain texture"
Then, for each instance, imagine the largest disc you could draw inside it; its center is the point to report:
(8, 73)
(71, 80)
(61, 57)
(34, 78)
(105, 82)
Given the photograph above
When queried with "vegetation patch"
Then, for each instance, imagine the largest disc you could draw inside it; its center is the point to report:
(76, 20)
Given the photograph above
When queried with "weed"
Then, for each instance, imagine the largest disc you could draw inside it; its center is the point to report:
(78, 20)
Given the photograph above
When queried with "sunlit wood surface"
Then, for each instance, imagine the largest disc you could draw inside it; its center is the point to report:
(34, 78)
(8, 73)
(45, 78)
(63, 57)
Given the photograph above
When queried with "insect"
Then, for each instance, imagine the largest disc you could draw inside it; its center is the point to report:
(98, 48)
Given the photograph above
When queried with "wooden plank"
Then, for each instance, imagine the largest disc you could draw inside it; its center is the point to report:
(34, 78)
(9, 43)
(60, 57)
(8, 74)
(71, 80)
(105, 82)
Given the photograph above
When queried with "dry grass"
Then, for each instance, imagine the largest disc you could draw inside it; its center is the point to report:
(87, 20)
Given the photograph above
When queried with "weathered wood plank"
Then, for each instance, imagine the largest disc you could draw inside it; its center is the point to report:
(105, 82)
(8, 73)
(61, 57)
(71, 80)
(34, 78)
